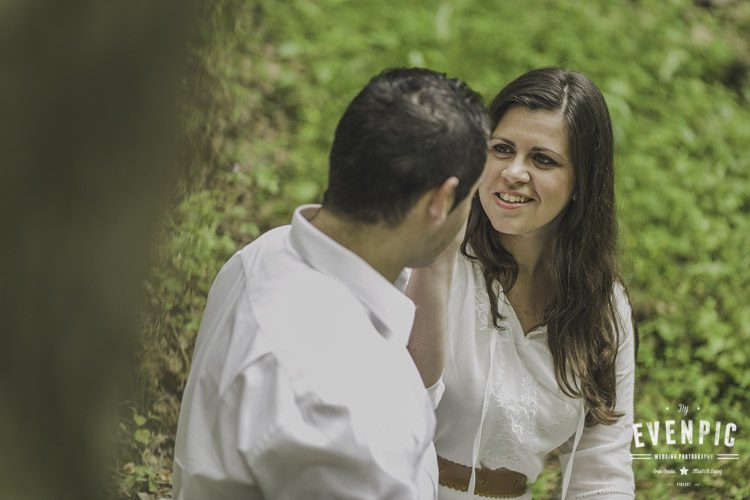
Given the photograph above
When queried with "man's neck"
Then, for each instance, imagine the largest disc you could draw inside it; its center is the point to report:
(376, 244)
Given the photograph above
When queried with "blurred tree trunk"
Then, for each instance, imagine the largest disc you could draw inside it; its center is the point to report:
(88, 95)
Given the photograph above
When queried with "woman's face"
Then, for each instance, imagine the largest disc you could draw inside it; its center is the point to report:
(529, 178)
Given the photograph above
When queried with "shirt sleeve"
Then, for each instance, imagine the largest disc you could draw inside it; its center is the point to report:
(435, 392)
(602, 465)
(315, 424)
(328, 451)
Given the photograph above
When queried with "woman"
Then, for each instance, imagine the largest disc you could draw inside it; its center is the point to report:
(524, 337)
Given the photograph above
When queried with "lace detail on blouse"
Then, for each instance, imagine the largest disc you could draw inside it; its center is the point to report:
(522, 416)
(484, 314)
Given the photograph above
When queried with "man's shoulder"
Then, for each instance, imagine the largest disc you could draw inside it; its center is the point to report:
(286, 293)
(268, 244)
(300, 297)
(298, 310)
(270, 263)
(317, 331)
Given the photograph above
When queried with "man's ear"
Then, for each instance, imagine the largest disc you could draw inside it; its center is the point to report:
(441, 200)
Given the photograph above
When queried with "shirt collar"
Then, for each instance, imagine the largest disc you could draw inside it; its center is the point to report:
(391, 312)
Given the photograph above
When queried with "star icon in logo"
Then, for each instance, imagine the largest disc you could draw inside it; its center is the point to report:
(683, 471)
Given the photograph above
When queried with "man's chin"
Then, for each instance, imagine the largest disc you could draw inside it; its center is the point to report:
(424, 261)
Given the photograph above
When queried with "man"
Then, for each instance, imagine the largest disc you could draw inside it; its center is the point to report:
(301, 385)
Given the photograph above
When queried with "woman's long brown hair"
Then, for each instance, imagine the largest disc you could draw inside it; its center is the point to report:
(582, 326)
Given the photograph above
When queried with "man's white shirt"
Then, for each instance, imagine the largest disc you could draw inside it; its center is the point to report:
(301, 385)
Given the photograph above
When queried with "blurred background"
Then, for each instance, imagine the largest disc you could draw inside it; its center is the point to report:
(144, 143)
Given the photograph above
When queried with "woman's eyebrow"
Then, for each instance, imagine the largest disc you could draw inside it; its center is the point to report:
(549, 150)
(504, 139)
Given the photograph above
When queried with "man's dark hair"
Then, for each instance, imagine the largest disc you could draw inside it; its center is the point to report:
(405, 133)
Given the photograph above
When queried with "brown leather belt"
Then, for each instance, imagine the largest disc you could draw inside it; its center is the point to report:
(498, 483)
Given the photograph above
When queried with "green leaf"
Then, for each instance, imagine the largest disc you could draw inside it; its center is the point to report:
(142, 436)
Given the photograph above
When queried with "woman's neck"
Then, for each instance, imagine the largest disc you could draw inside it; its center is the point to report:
(532, 291)
(532, 253)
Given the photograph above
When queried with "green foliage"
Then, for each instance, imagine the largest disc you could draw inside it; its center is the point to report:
(675, 76)
(144, 473)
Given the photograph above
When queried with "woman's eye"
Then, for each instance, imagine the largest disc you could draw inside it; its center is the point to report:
(544, 160)
(502, 148)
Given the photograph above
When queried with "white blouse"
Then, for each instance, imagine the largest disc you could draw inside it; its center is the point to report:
(500, 404)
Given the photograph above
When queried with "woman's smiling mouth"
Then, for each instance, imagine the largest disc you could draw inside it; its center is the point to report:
(514, 199)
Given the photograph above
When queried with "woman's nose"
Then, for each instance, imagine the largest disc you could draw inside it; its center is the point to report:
(516, 171)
